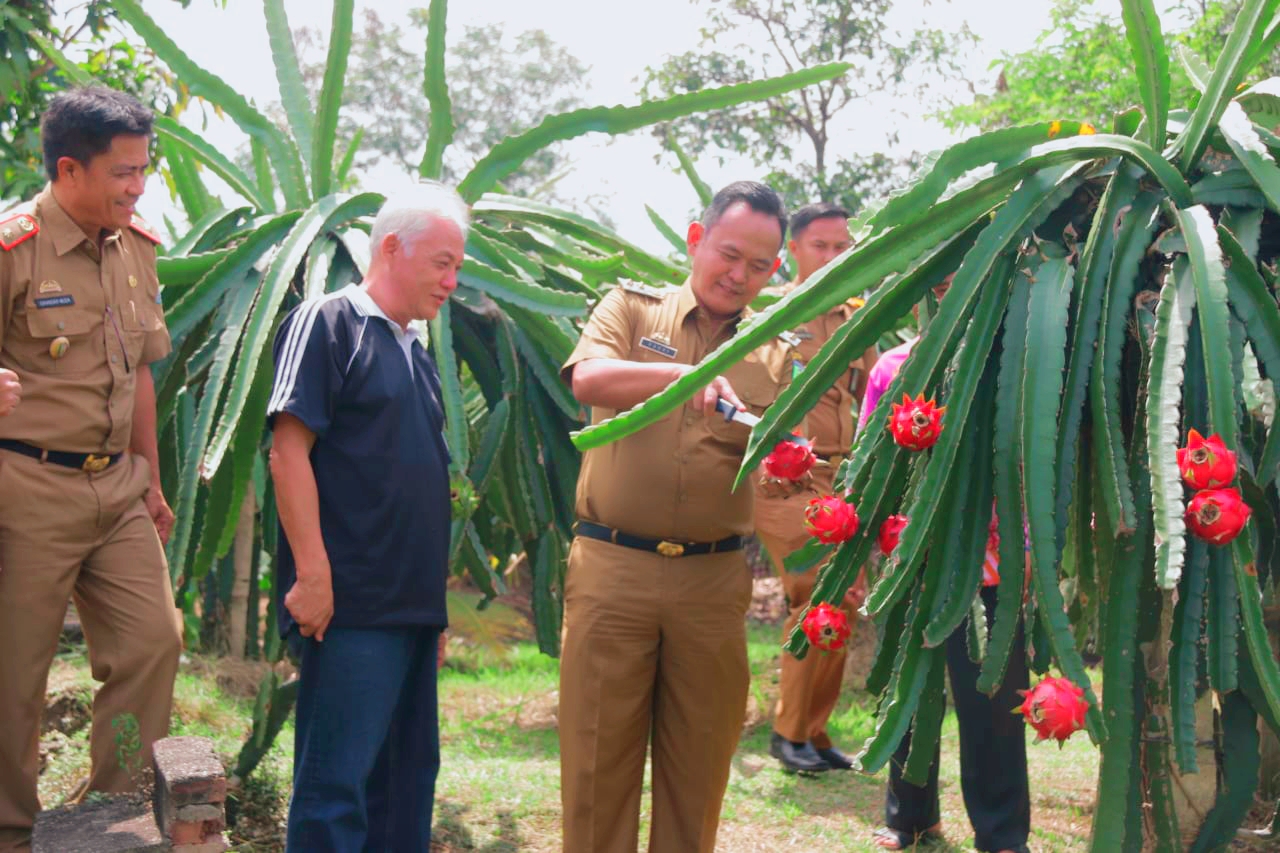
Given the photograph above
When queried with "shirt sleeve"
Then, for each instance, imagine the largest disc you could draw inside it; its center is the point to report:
(156, 343)
(308, 368)
(608, 333)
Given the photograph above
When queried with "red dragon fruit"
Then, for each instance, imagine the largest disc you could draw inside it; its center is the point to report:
(1055, 708)
(1217, 515)
(826, 627)
(1205, 463)
(916, 424)
(890, 531)
(831, 519)
(791, 459)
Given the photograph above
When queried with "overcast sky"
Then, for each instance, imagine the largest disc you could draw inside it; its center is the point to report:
(617, 40)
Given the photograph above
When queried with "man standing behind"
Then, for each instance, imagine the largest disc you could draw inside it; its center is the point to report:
(993, 748)
(361, 477)
(657, 587)
(808, 688)
(81, 509)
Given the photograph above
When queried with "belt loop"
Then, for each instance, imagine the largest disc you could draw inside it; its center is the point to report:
(613, 535)
(44, 456)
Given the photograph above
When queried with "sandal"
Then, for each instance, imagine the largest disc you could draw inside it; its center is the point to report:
(888, 838)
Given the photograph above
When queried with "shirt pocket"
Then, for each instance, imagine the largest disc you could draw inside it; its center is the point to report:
(137, 320)
(62, 340)
(756, 390)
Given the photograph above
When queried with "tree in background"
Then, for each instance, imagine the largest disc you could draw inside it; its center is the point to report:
(750, 39)
(501, 87)
(1081, 67)
(28, 78)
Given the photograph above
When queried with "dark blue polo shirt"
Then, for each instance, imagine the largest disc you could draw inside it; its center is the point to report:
(371, 394)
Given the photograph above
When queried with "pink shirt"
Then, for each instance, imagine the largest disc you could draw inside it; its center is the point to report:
(881, 375)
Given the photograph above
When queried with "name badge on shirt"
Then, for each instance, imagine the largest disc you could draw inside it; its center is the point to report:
(658, 347)
(55, 301)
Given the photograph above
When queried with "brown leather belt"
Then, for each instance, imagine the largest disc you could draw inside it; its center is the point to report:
(665, 547)
(91, 462)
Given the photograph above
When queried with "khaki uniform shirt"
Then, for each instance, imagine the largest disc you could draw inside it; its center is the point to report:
(831, 421)
(76, 323)
(673, 479)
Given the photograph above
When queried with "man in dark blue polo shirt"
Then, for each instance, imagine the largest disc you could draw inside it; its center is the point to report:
(360, 468)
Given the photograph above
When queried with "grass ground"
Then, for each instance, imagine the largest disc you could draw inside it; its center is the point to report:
(499, 786)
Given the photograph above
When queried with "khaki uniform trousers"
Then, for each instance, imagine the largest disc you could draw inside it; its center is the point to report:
(65, 532)
(808, 689)
(653, 647)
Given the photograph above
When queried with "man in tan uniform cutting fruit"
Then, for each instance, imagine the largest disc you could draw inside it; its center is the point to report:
(657, 586)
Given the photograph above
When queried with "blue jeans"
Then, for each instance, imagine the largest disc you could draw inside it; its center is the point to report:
(367, 749)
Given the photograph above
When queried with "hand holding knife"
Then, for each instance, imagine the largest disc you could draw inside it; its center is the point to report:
(733, 413)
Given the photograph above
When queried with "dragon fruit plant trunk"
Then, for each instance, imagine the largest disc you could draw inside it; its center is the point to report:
(1101, 370)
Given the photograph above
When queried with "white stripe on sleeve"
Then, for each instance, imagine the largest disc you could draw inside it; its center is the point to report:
(291, 355)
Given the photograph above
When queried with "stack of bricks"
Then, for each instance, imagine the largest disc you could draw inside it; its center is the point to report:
(190, 795)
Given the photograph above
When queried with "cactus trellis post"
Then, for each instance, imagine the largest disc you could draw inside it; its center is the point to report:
(1111, 292)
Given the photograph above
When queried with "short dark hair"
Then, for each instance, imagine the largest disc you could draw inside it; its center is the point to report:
(81, 123)
(810, 213)
(757, 196)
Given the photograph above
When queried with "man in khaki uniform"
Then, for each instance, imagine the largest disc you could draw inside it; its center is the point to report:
(809, 688)
(81, 510)
(657, 586)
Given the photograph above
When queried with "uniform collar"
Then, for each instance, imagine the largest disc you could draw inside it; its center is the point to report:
(61, 228)
(687, 303)
(366, 307)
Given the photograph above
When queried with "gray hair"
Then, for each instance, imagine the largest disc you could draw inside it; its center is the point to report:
(407, 212)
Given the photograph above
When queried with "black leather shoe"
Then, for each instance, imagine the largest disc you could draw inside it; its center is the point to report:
(797, 757)
(837, 759)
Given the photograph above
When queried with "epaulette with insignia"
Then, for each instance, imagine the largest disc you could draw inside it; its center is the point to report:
(137, 224)
(789, 338)
(855, 302)
(642, 289)
(17, 228)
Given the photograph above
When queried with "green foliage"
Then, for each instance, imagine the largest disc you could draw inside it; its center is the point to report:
(1082, 66)
(498, 85)
(128, 740)
(30, 77)
(1108, 292)
(745, 40)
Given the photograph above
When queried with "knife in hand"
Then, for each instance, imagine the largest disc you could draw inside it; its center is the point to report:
(733, 413)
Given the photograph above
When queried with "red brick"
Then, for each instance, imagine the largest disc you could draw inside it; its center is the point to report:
(198, 791)
(200, 812)
(216, 846)
(194, 832)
